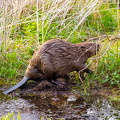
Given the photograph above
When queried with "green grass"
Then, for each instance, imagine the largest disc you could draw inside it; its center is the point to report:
(97, 23)
(10, 116)
(109, 66)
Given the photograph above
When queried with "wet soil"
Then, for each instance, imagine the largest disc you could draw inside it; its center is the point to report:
(61, 102)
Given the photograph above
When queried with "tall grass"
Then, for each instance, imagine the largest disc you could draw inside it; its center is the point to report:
(25, 24)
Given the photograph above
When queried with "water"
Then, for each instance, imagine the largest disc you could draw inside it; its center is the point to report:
(67, 105)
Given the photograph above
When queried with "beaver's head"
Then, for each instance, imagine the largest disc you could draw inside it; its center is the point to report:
(89, 48)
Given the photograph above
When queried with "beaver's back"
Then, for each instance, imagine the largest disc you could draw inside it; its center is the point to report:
(55, 57)
(59, 57)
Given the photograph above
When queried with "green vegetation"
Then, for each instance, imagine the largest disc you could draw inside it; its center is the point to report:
(74, 21)
(10, 116)
(109, 66)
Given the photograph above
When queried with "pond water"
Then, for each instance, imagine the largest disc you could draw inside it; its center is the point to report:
(68, 105)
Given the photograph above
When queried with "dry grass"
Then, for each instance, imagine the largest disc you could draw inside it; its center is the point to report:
(46, 12)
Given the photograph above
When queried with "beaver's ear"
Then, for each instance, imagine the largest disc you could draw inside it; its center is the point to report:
(82, 47)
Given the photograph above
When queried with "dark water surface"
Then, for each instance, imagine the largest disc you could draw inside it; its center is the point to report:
(66, 105)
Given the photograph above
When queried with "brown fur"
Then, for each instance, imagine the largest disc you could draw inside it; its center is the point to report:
(56, 58)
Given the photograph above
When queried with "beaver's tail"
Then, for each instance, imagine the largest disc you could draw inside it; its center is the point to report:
(23, 81)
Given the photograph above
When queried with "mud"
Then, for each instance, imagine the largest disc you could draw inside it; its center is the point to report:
(60, 104)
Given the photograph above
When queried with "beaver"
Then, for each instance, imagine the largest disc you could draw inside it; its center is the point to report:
(56, 58)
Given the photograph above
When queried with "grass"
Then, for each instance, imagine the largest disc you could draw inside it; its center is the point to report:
(11, 116)
(109, 66)
(23, 30)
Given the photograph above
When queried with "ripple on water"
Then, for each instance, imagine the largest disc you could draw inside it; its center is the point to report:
(70, 107)
(27, 110)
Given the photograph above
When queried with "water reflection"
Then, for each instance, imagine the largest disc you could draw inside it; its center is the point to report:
(62, 106)
(101, 108)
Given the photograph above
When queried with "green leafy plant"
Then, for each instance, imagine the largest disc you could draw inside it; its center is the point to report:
(109, 66)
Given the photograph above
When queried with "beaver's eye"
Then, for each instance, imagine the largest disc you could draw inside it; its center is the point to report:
(82, 47)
